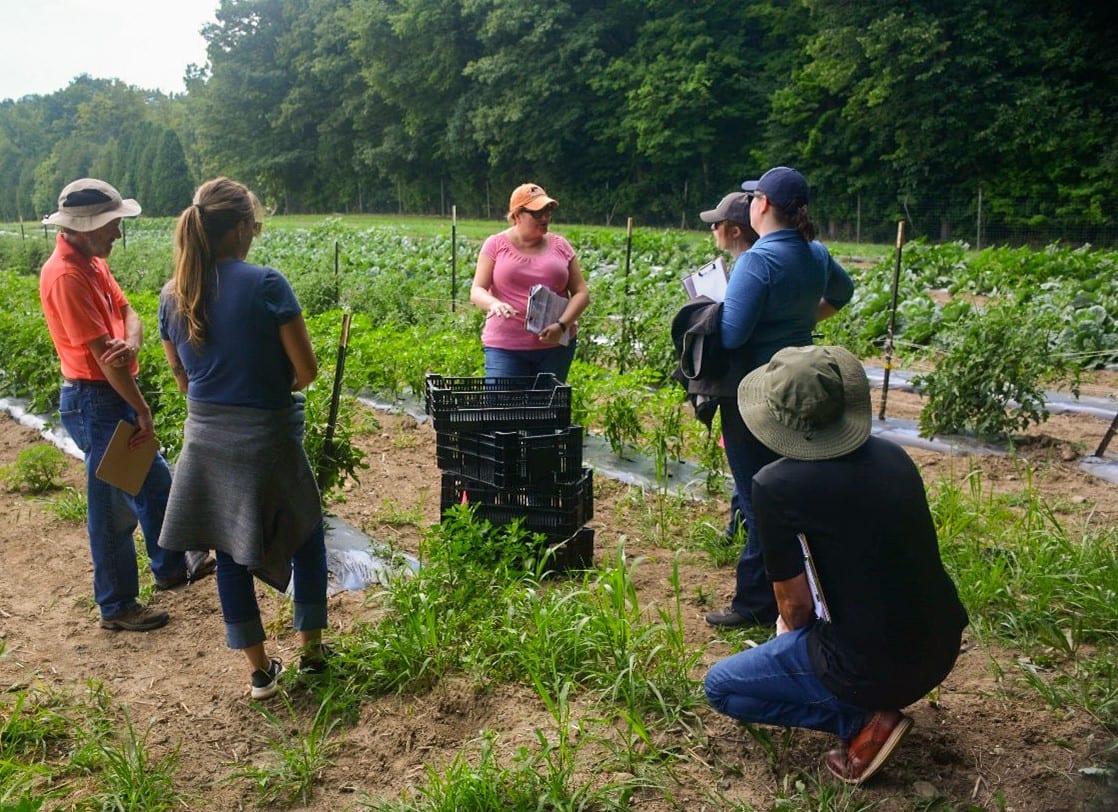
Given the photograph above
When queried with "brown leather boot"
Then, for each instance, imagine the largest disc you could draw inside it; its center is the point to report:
(870, 748)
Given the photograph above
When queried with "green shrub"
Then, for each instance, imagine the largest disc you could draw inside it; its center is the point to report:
(36, 469)
(989, 381)
(26, 255)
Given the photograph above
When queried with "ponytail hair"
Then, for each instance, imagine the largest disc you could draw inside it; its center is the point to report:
(796, 216)
(802, 223)
(219, 206)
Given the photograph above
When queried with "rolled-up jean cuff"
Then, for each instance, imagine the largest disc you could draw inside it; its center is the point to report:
(307, 617)
(244, 633)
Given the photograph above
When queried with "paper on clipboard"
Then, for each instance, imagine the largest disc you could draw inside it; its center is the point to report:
(545, 307)
(123, 467)
(709, 280)
(821, 610)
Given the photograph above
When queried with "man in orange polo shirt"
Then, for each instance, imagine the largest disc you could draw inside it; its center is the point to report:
(97, 336)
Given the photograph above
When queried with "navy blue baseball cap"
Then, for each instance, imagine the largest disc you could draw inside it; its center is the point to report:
(783, 185)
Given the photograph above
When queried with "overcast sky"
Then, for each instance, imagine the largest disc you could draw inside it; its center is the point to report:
(44, 44)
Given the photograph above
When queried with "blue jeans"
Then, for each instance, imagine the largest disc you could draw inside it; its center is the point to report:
(527, 363)
(89, 411)
(236, 589)
(774, 684)
(746, 455)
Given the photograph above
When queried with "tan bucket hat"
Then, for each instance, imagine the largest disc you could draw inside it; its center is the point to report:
(87, 204)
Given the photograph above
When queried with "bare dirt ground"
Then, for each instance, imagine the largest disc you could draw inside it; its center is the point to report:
(986, 742)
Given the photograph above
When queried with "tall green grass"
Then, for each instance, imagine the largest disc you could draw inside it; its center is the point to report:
(1038, 582)
(615, 683)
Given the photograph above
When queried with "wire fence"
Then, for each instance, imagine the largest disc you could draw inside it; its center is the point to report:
(978, 222)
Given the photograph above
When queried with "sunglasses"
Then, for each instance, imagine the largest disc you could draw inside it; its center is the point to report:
(546, 211)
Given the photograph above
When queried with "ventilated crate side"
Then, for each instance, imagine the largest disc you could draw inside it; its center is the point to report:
(512, 458)
(498, 404)
(576, 552)
(560, 508)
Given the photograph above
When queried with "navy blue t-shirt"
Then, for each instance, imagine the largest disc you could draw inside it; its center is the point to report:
(242, 362)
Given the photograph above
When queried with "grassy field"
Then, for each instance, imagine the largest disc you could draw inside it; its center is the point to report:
(606, 655)
(423, 226)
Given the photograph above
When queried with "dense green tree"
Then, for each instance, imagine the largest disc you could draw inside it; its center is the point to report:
(686, 102)
(242, 100)
(650, 108)
(928, 104)
(171, 186)
(22, 148)
(322, 103)
(412, 55)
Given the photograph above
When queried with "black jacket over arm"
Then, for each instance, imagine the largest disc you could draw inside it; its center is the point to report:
(705, 369)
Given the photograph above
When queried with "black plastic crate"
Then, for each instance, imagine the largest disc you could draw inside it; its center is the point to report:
(512, 458)
(498, 404)
(576, 552)
(558, 509)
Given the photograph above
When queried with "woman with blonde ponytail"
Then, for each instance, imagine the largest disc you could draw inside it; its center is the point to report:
(235, 338)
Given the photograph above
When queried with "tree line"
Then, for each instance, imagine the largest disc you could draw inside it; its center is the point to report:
(643, 108)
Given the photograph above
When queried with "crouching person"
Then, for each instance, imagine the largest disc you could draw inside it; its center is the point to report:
(856, 505)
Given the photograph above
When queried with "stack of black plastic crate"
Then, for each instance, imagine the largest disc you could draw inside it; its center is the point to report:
(507, 447)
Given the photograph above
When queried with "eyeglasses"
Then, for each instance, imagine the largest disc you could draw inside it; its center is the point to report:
(716, 226)
(546, 211)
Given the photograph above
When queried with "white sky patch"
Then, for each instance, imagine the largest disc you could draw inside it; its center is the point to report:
(45, 44)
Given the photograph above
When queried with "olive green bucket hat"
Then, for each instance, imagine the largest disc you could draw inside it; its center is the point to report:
(808, 403)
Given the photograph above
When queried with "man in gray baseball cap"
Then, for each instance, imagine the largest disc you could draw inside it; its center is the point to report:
(97, 336)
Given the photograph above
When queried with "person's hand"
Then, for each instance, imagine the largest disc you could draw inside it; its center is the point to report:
(502, 309)
(781, 626)
(552, 334)
(118, 353)
(145, 429)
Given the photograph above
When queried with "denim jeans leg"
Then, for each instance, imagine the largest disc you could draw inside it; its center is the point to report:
(746, 455)
(309, 583)
(236, 589)
(736, 528)
(528, 363)
(557, 360)
(150, 505)
(89, 413)
(504, 363)
(775, 684)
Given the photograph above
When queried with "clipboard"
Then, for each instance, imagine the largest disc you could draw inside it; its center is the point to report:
(123, 467)
(710, 281)
(821, 610)
(545, 307)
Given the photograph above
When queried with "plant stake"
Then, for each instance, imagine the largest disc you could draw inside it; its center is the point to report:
(625, 301)
(1106, 438)
(335, 397)
(892, 321)
(453, 256)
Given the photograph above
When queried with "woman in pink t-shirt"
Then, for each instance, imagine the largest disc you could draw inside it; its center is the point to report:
(509, 265)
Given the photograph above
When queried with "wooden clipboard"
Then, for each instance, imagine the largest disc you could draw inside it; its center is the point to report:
(123, 467)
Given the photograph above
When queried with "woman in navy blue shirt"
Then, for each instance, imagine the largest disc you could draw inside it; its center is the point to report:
(235, 338)
(778, 291)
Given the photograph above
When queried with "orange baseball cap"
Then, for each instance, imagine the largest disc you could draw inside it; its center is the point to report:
(530, 196)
